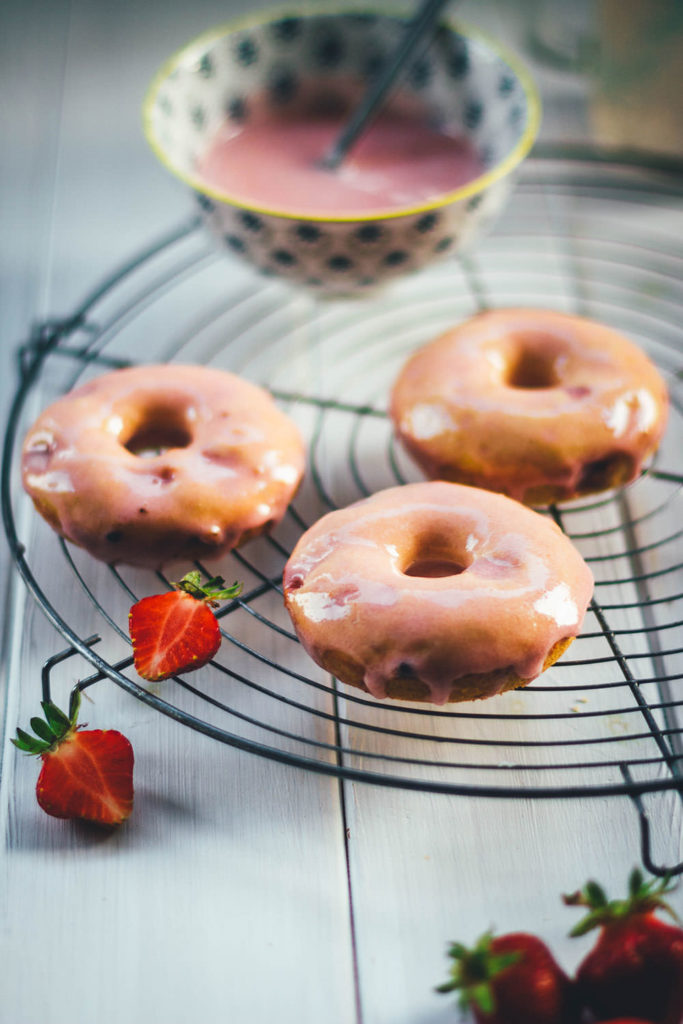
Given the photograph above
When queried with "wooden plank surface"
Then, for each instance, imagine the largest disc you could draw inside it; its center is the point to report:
(231, 872)
(241, 887)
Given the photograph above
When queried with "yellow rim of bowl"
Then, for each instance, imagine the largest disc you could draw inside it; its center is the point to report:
(200, 43)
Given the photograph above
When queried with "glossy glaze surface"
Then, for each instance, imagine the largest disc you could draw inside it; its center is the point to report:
(156, 463)
(399, 161)
(539, 405)
(436, 581)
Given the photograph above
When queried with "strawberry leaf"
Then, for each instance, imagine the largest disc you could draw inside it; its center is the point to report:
(213, 590)
(595, 895)
(644, 897)
(482, 996)
(191, 582)
(217, 589)
(29, 744)
(498, 962)
(56, 719)
(49, 731)
(42, 729)
(636, 884)
(587, 923)
(473, 971)
(74, 705)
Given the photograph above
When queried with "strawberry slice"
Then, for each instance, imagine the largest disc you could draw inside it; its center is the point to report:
(86, 773)
(178, 631)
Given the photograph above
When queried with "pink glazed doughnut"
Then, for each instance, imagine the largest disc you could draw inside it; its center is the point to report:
(436, 592)
(538, 405)
(158, 463)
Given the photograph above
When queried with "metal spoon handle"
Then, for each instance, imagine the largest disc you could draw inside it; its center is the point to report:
(416, 30)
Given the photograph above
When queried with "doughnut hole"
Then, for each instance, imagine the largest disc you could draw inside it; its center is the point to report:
(433, 557)
(533, 365)
(157, 429)
(434, 566)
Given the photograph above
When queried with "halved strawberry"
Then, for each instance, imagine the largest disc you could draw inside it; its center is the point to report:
(178, 631)
(86, 773)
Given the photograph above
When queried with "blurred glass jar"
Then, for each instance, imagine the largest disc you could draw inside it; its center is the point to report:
(638, 94)
(563, 34)
(631, 52)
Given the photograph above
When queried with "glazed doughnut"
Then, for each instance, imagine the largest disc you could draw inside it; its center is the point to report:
(538, 405)
(157, 463)
(436, 592)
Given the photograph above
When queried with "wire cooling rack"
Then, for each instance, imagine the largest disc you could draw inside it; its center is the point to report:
(582, 235)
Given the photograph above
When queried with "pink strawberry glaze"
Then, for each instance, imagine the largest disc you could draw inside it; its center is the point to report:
(521, 400)
(213, 462)
(517, 587)
(273, 161)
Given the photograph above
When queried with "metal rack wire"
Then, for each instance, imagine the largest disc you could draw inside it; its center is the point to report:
(588, 236)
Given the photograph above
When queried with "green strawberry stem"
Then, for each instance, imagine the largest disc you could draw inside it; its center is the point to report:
(53, 730)
(213, 591)
(473, 970)
(643, 897)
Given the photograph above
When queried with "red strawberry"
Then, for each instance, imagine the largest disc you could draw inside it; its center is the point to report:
(178, 631)
(86, 773)
(636, 965)
(511, 979)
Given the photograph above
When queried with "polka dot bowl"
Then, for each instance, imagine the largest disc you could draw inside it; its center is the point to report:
(465, 84)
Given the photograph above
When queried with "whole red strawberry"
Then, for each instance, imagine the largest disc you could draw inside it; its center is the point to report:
(636, 965)
(511, 979)
(86, 773)
(178, 631)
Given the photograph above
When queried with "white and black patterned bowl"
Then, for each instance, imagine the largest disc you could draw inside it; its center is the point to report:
(464, 82)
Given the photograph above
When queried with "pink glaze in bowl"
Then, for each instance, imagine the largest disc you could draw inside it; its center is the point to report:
(268, 86)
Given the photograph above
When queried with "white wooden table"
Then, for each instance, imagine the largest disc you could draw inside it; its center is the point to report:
(241, 888)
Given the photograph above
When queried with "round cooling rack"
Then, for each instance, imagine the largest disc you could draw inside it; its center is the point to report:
(587, 236)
